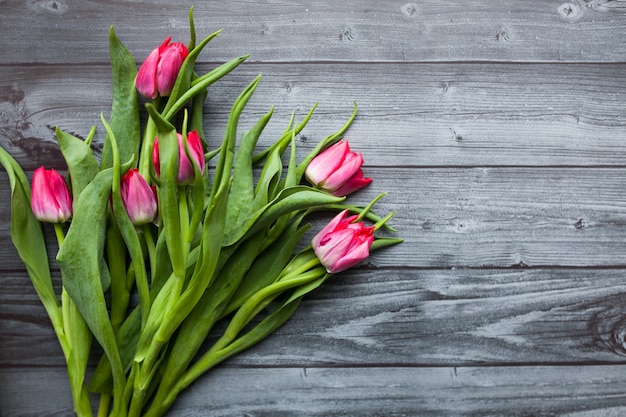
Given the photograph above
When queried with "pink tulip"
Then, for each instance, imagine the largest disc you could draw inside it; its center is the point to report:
(185, 169)
(157, 74)
(50, 198)
(343, 243)
(337, 170)
(139, 199)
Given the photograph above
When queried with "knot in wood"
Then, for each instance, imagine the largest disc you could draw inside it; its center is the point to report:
(409, 10)
(570, 11)
(48, 6)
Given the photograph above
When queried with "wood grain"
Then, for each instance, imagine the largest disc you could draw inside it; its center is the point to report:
(498, 129)
(450, 317)
(296, 31)
(386, 391)
(485, 217)
(442, 115)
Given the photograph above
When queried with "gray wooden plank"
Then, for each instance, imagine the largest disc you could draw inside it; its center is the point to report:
(482, 30)
(483, 217)
(360, 318)
(410, 114)
(387, 391)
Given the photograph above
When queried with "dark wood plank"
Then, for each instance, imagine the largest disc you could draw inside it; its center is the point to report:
(387, 391)
(424, 114)
(62, 31)
(405, 317)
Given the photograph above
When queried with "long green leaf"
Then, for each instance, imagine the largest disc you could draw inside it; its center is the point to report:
(124, 121)
(288, 200)
(80, 261)
(28, 237)
(81, 162)
(183, 80)
(168, 190)
(267, 266)
(242, 189)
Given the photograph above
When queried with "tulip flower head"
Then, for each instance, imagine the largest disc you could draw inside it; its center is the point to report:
(343, 243)
(185, 169)
(138, 198)
(157, 74)
(337, 170)
(50, 198)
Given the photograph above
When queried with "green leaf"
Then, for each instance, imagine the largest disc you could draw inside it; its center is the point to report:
(80, 259)
(79, 338)
(240, 201)
(168, 190)
(183, 80)
(127, 337)
(267, 185)
(127, 229)
(196, 327)
(28, 237)
(277, 318)
(282, 143)
(81, 162)
(288, 200)
(192, 30)
(329, 140)
(201, 83)
(197, 114)
(116, 262)
(267, 266)
(124, 121)
(170, 319)
(227, 150)
(383, 242)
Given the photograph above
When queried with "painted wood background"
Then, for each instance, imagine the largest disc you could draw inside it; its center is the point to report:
(498, 128)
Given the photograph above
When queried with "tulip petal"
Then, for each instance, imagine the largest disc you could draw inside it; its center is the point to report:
(326, 163)
(353, 184)
(358, 252)
(50, 199)
(350, 166)
(333, 247)
(138, 198)
(328, 228)
(146, 81)
(168, 67)
(342, 243)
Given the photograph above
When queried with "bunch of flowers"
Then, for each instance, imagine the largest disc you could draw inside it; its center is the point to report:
(157, 246)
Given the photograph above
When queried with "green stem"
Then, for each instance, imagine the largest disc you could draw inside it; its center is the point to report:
(103, 407)
(59, 232)
(183, 211)
(150, 246)
(73, 337)
(145, 159)
(300, 269)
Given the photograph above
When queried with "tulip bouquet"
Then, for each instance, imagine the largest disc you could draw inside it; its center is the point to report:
(175, 256)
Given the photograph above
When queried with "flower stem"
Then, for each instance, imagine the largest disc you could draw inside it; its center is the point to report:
(105, 403)
(150, 246)
(145, 159)
(59, 232)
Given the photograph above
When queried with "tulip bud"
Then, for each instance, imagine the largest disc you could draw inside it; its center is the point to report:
(343, 243)
(157, 74)
(138, 198)
(50, 198)
(185, 169)
(337, 170)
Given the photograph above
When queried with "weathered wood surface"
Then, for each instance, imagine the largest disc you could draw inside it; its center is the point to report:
(64, 31)
(455, 114)
(387, 391)
(498, 129)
